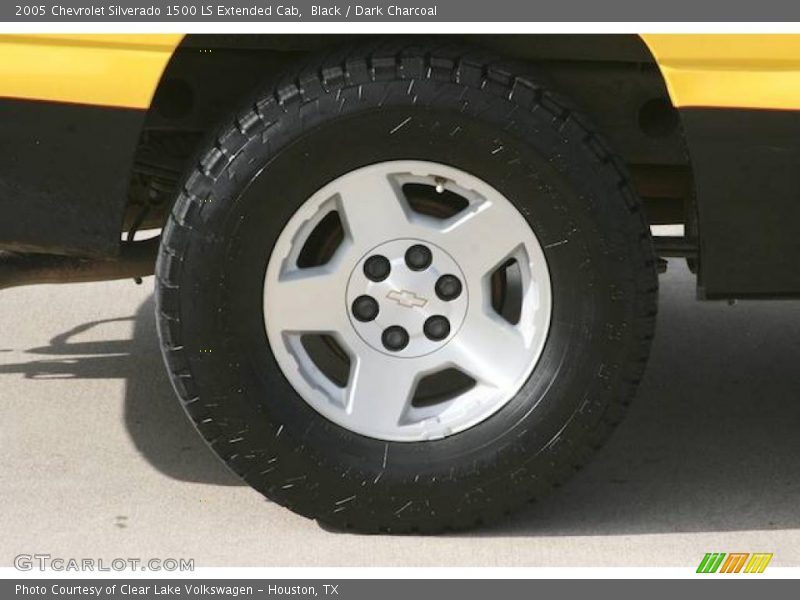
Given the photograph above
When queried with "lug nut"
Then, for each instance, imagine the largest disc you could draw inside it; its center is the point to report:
(365, 308)
(377, 268)
(394, 338)
(418, 257)
(436, 328)
(448, 287)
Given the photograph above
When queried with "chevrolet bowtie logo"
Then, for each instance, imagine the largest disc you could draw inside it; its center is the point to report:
(406, 298)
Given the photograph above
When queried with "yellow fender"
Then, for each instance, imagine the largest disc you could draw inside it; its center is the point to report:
(729, 71)
(700, 70)
(107, 70)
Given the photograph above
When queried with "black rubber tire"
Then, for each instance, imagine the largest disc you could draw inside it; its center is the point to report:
(338, 114)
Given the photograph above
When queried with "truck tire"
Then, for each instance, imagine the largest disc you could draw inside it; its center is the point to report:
(406, 290)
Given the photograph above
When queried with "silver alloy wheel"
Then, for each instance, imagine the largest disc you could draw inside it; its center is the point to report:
(363, 307)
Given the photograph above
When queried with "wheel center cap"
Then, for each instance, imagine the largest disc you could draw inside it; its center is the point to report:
(407, 298)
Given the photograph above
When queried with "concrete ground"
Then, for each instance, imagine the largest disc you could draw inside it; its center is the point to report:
(98, 459)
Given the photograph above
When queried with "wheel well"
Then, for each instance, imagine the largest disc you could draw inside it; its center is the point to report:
(611, 78)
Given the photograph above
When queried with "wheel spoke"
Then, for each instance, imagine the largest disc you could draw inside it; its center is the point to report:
(380, 392)
(305, 301)
(489, 349)
(483, 238)
(372, 208)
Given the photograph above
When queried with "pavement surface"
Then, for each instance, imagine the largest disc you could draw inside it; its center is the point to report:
(98, 459)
